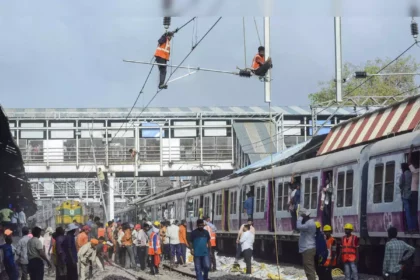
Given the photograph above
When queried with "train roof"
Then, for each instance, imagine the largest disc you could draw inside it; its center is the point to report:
(398, 118)
(394, 144)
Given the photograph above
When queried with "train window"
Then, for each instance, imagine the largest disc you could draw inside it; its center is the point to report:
(314, 192)
(349, 188)
(280, 196)
(219, 204)
(285, 196)
(307, 193)
(389, 181)
(340, 189)
(207, 206)
(260, 199)
(378, 182)
(233, 202)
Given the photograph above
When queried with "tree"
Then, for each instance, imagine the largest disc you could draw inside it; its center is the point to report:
(395, 85)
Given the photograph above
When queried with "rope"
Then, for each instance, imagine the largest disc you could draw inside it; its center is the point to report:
(273, 186)
(258, 33)
(243, 24)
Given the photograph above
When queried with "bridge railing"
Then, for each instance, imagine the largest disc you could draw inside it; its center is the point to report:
(81, 151)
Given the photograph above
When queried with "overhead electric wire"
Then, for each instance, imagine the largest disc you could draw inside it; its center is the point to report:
(348, 93)
(192, 49)
(145, 82)
(258, 33)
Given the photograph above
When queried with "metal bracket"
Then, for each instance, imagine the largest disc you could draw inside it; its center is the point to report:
(183, 76)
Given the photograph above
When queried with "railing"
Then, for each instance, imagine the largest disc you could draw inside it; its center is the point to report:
(149, 151)
(86, 188)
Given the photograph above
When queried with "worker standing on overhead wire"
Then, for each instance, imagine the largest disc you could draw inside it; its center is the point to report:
(260, 66)
(162, 54)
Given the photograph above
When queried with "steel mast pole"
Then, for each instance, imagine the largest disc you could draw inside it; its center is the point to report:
(267, 83)
(338, 61)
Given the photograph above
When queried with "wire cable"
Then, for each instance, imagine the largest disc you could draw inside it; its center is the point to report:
(145, 82)
(347, 94)
(244, 31)
(258, 33)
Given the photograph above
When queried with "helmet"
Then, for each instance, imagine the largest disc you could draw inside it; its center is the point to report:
(348, 226)
(318, 224)
(156, 223)
(327, 228)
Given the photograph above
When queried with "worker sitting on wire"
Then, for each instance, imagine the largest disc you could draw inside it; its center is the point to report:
(260, 66)
(162, 54)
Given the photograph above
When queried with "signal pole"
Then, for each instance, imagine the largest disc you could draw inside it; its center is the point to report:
(267, 83)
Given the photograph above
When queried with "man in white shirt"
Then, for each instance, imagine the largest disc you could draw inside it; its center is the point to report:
(172, 233)
(22, 254)
(21, 220)
(307, 246)
(238, 243)
(247, 243)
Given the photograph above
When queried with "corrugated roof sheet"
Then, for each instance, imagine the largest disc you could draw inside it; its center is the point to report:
(254, 138)
(164, 111)
(398, 118)
(276, 158)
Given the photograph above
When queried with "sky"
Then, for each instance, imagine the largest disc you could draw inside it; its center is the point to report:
(68, 54)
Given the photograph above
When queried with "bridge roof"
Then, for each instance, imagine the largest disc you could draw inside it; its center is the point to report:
(229, 111)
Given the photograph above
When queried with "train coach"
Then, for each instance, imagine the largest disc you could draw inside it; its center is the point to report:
(366, 194)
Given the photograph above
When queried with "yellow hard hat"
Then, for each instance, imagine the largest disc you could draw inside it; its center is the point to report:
(318, 224)
(156, 223)
(348, 226)
(327, 228)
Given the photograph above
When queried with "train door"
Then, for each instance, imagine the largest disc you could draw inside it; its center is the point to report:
(212, 206)
(226, 210)
(283, 196)
(206, 207)
(260, 215)
(218, 218)
(201, 207)
(326, 207)
(271, 211)
(309, 192)
(233, 209)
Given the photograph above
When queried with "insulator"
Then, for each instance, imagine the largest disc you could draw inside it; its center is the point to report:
(360, 74)
(166, 22)
(414, 29)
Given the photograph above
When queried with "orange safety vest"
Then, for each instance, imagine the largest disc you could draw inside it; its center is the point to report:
(333, 262)
(212, 236)
(348, 249)
(101, 232)
(164, 50)
(257, 58)
(151, 248)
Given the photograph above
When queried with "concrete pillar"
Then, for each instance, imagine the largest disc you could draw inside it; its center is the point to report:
(111, 180)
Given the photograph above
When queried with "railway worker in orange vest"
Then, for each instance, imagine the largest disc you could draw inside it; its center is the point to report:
(154, 250)
(326, 268)
(212, 231)
(82, 238)
(162, 54)
(260, 66)
(350, 253)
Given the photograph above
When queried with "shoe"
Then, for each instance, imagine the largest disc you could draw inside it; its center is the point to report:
(163, 86)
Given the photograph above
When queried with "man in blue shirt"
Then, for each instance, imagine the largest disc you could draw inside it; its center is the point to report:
(201, 246)
(249, 205)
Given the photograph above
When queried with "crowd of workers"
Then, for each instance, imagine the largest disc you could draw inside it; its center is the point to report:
(320, 254)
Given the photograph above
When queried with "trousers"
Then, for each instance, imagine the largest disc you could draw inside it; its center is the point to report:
(36, 269)
(213, 258)
(162, 70)
(324, 272)
(350, 271)
(142, 256)
(247, 257)
(183, 253)
(263, 69)
(176, 252)
(308, 257)
(407, 213)
(202, 266)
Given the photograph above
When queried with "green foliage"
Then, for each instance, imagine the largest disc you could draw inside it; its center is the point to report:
(377, 86)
